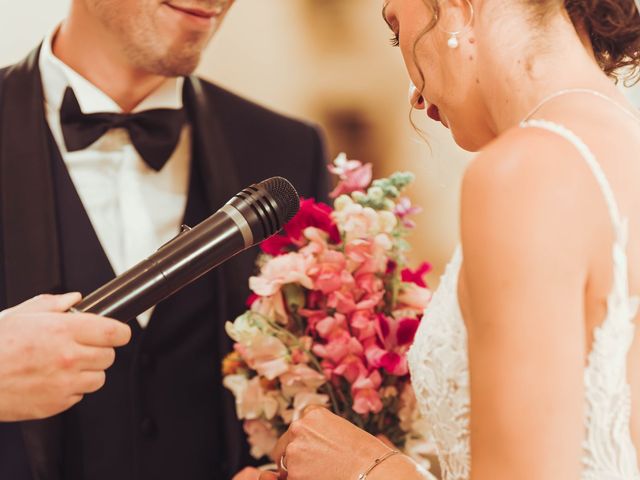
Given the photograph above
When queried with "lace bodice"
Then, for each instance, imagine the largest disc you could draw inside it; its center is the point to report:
(440, 366)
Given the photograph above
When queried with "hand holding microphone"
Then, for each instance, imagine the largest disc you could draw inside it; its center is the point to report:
(49, 359)
(251, 216)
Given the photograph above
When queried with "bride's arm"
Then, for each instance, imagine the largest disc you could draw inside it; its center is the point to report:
(521, 289)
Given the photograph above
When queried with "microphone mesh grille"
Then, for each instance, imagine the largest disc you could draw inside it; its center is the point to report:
(285, 196)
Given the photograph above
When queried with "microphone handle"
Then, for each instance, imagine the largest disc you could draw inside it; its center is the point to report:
(182, 260)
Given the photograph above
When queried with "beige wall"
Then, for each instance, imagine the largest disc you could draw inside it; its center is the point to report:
(325, 60)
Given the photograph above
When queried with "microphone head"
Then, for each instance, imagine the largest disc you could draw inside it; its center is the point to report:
(267, 206)
(285, 196)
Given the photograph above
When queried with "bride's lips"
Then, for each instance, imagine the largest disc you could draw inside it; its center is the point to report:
(433, 113)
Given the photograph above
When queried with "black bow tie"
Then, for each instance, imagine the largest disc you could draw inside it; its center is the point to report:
(154, 133)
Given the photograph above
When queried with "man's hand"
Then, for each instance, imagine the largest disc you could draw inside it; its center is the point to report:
(49, 359)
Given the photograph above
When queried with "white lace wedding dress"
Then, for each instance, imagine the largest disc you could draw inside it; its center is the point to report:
(440, 367)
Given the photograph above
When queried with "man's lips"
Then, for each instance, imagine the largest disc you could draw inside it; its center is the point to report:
(196, 12)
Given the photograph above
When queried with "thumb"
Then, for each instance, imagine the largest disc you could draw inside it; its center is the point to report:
(268, 476)
(49, 303)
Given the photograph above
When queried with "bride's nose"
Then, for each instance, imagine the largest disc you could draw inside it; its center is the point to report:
(415, 97)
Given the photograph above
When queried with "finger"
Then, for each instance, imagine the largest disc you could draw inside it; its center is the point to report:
(247, 474)
(268, 476)
(89, 382)
(96, 331)
(83, 358)
(281, 447)
(48, 303)
(310, 408)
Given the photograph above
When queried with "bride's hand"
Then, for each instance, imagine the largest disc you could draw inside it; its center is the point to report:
(248, 473)
(323, 446)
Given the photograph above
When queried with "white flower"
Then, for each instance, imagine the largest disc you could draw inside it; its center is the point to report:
(252, 402)
(243, 329)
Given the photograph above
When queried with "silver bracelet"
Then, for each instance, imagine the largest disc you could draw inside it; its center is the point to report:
(376, 462)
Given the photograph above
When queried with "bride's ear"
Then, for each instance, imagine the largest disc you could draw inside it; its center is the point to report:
(455, 19)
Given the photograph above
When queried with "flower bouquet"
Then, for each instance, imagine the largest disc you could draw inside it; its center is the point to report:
(333, 312)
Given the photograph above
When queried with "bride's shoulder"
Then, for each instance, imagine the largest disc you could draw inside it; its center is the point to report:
(526, 163)
(527, 179)
(525, 152)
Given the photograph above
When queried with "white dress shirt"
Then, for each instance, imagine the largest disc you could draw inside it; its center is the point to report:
(133, 209)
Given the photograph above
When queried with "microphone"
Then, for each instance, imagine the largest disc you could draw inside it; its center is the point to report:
(254, 214)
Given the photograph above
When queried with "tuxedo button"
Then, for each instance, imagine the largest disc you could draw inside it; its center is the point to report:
(148, 427)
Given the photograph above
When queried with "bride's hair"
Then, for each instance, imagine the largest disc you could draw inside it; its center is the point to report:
(612, 25)
(614, 29)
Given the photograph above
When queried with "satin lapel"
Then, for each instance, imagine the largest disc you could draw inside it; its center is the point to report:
(211, 152)
(216, 164)
(31, 254)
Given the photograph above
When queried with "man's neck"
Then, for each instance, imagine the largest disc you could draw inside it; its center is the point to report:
(88, 50)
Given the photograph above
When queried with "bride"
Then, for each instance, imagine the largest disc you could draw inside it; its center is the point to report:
(527, 363)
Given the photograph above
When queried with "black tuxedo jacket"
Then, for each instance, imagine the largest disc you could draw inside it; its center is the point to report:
(163, 413)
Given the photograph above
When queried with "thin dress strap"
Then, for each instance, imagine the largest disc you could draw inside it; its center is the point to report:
(619, 224)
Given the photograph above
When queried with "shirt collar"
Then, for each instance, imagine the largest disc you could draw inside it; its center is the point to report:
(57, 76)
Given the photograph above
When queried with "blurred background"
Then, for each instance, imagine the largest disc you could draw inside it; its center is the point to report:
(328, 61)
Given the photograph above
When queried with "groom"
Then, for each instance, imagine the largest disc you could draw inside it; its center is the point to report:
(107, 146)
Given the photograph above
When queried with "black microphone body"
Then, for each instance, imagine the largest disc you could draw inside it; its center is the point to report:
(251, 216)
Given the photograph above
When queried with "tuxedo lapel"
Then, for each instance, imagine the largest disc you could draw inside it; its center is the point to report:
(31, 260)
(31, 255)
(211, 152)
(213, 160)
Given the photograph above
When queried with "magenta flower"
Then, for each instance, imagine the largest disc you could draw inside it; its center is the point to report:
(417, 276)
(311, 214)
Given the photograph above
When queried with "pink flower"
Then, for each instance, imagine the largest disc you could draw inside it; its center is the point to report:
(369, 282)
(265, 354)
(328, 325)
(300, 378)
(416, 276)
(368, 255)
(329, 274)
(350, 368)
(414, 297)
(262, 437)
(353, 175)
(366, 396)
(279, 271)
(337, 347)
(364, 324)
(404, 209)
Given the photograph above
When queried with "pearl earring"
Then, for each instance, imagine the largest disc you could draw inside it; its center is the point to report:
(453, 41)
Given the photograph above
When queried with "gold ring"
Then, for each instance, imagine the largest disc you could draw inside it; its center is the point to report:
(283, 465)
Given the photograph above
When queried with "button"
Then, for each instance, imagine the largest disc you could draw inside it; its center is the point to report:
(148, 427)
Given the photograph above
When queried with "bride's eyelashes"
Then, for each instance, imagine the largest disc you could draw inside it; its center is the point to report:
(391, 23)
